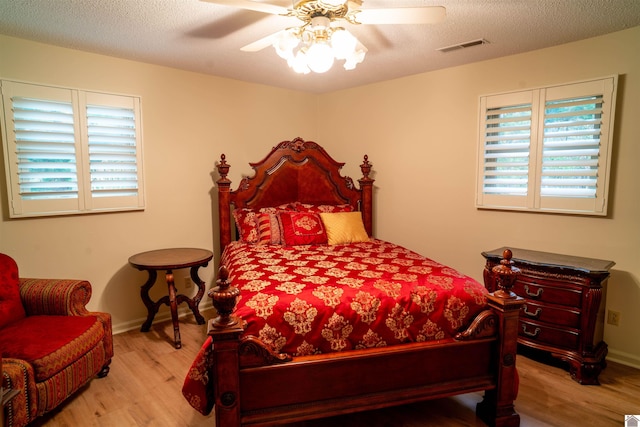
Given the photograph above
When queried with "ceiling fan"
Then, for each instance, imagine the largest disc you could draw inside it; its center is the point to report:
(314, 44)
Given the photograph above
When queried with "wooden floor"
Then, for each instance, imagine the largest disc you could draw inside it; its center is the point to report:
(144, 389)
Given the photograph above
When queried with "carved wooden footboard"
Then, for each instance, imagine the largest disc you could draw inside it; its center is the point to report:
(254, 386)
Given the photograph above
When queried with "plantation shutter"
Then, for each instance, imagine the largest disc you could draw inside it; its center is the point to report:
(571, 147)
(114, 156)
(505, 157)
(70, 151)
(547, 149)
(576, 146)
(41, 149)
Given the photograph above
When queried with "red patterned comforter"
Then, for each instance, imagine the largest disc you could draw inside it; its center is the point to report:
(316, 299)
(305, 300)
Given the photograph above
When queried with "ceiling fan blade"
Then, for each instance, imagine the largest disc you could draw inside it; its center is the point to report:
(402, 15)
(262, 43)
(252, 5)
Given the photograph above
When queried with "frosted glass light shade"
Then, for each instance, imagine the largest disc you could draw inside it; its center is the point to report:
(343, 43)
(285, 44)
(320, 57)
(298, 63)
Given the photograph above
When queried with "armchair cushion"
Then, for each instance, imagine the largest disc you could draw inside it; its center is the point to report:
(11, 308)
(50, 343)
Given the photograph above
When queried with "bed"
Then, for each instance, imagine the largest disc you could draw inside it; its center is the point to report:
(318, 318)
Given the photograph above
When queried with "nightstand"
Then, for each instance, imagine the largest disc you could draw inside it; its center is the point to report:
(563, 313)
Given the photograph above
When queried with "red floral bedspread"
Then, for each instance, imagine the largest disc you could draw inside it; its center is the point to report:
(305, 300)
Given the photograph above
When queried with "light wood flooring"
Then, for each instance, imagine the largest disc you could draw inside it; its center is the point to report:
(145, 382)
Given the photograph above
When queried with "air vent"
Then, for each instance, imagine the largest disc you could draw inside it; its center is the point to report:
(462, 45)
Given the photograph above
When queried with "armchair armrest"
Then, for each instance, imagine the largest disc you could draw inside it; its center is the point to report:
(18, 375)
(67, 297)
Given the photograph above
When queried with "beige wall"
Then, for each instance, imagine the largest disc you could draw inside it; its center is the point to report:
(188, 121)
(419, 133)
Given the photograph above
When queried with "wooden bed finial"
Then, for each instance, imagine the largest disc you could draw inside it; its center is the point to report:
(365, 167)
(223, 167)
(506, 274)
(224, 298)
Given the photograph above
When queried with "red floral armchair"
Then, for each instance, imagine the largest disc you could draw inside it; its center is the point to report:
(50, 344)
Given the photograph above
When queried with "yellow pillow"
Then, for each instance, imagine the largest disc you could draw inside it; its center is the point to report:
(344, 227)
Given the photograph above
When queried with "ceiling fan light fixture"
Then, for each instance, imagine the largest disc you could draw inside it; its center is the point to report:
(286, 43)
(355, 58)
(343, 43)
(298, 63)
(320, 57)
(315, 47)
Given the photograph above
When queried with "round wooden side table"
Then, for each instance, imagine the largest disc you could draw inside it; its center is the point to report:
(169, 260)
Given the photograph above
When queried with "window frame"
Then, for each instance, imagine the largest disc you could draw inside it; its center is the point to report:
(520, 188)
(83, 200)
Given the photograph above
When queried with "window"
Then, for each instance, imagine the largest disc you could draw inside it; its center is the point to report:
(70, 151)
(547, 149)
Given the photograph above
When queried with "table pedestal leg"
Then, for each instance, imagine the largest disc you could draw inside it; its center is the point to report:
(195, 301)
(152, 308)
(173, 303)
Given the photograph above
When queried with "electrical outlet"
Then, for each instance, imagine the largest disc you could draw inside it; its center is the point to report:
(188, 283)
(613, 317)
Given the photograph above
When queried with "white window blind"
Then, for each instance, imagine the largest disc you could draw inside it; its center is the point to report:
(547, 149)
(507, 142)
(45, 149)
(69, 151)
(571, 147)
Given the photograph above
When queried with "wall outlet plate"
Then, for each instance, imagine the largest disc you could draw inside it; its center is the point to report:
(613, 317)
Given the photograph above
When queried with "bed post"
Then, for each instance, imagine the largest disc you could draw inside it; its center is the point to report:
(225, 331)
(366, 186)
(224, 214)
(497, 408)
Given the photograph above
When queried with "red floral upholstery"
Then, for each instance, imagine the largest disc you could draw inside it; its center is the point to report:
(51, 344)
(302, 228)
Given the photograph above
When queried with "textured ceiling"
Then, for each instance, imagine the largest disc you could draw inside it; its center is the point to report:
(206, 38)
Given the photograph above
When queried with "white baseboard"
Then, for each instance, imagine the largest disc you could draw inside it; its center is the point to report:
(623, 358)
(160, 317)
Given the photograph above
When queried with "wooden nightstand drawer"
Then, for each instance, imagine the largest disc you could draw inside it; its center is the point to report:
(546, 291)
(548, 335)
(555, 315)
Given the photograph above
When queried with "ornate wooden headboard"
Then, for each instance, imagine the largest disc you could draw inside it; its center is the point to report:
(294, 171)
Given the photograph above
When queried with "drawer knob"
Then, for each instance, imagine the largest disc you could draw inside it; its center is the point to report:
(536, 294)
(530, 334)
(525, 310)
